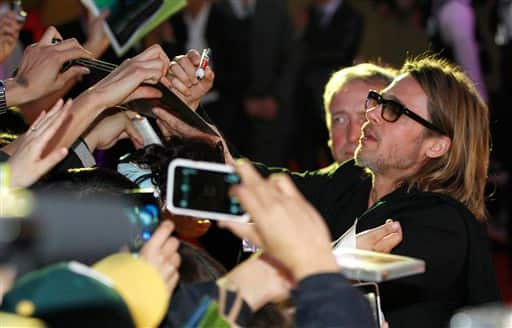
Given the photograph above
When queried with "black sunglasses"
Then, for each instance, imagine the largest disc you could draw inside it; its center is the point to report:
(392, 110)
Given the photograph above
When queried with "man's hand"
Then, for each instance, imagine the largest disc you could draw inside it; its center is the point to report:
(285, 224)
(9, 33)
(28, 162)
(161, 251)
(170, 125)
(183, 81)
(258, 282)
(40, 72)
(381, 239)
(124, 83)
(112, 128)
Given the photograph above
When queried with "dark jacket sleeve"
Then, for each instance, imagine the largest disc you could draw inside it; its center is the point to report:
(72, 160)
(187, 297)
(328, 300)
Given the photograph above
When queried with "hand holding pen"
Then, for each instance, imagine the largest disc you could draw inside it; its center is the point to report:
(183, 79)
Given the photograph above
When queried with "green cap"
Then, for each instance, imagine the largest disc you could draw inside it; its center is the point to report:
(68, 295)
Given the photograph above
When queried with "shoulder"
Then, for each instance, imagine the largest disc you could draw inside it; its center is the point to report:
(422, 210)
(432, 209)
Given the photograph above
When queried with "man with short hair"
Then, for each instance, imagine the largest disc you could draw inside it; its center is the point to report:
(344, 99)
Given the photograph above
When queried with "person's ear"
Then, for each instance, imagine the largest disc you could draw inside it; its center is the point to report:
(438, 146)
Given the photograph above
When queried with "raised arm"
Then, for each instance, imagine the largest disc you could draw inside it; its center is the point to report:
(40, 72)
(122, 85)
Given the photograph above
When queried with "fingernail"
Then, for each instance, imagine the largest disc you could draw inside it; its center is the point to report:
(396, 226)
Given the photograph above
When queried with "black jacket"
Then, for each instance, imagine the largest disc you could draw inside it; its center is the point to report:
(436, 228)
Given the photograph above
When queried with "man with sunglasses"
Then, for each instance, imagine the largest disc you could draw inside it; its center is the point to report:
(422, 160)
(425, 150)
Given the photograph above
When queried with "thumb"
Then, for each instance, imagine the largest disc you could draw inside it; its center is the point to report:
(49, 35)
(386, 244)
(386, 229)
(159, 237)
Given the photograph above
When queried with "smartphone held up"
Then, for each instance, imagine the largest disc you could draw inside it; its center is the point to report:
(201, 190)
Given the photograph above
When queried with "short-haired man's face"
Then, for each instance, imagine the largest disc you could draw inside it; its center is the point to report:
(399, 148)
(347, 116)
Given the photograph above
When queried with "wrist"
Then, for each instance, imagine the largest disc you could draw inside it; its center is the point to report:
(317, 265)
(96, 48)
(15, 94)
(90, 100)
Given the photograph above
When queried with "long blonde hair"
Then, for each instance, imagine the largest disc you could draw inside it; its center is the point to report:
(455, 107)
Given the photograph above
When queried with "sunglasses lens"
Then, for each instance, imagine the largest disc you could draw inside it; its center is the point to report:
(391, 111)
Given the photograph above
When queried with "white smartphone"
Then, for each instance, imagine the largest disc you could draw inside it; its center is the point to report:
(201, 189)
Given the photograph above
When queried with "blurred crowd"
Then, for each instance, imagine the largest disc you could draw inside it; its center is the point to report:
(337, 145)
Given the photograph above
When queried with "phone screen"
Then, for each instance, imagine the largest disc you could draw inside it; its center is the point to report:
(205, 190)
(144, 215)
